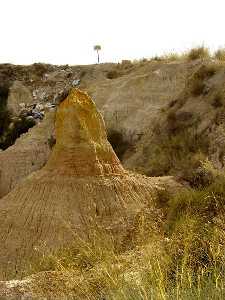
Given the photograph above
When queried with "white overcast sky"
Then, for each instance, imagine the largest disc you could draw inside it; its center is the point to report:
(64, 31)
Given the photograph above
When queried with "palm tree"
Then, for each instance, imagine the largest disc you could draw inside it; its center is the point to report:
(97, 48)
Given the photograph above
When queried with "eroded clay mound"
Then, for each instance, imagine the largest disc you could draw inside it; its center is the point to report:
(83, 183)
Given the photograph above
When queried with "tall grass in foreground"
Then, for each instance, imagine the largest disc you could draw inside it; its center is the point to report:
(185, 260)
(146, 272)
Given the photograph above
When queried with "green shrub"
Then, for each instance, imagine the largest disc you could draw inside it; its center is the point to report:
(198, 53)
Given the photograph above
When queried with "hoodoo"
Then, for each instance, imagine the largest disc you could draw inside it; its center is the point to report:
(82, 182)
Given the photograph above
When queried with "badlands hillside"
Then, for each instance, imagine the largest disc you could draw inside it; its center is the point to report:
(137, 216)
(131, 97)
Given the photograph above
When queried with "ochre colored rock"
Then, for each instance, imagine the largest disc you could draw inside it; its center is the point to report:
(82, 147)
(83, 183)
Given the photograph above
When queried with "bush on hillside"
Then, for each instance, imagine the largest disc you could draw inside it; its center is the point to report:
(197, 80)
(220, 54)
(40, 69)
(198, 53)
(178, 152)
(113, 74)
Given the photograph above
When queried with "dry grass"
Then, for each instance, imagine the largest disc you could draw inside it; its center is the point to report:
(173, 56)
(197, 81)
(198, 53)
(220, 54)
(176, 267)
(184, 261)
(170, 57)
(178, 152)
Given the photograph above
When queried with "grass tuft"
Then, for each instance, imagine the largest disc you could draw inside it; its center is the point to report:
(220, 54)
(198, 53)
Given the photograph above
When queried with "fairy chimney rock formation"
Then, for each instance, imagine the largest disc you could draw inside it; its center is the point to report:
(82, 183)
(82, 147)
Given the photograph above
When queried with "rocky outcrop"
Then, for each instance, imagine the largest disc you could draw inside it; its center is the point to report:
(83, 183)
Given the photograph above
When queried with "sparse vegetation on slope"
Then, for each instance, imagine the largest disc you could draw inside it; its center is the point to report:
(197, 82)
(198, 53)
(175, 247)
(186, 132)
(182, 258)
(220, 54)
